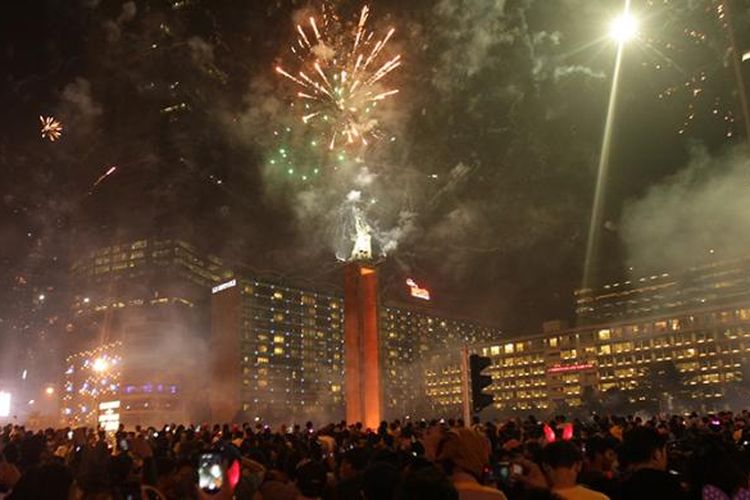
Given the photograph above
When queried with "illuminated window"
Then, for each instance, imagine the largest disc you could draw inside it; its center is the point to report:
(553, 342)
(262, 348)
(495, 350)
(278, 296)
(278, 339)
(605, 349)
(262, 360)
(604, 334)
(508, 349)
(278, 350)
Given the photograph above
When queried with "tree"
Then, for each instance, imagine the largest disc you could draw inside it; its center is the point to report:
(591, 399)
(666, 386)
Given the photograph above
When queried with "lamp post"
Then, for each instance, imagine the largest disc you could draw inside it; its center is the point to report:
(622, 29)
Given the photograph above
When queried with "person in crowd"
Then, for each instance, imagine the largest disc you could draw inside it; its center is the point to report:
(701, 456)
(465, 454)
(599, 465)
(562, 462)
(644, 454)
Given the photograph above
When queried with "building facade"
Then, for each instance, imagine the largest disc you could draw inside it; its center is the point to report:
(709, 347)
(151, 299)
(715, 283)
(279, 353)
(416, 345)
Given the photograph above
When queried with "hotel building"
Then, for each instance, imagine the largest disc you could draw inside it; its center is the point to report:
(699, 321)
(278, 353)
(138, 327)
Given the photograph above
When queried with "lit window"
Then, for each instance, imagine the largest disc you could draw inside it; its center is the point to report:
(604, 334)
(495, 350)
(508, 348)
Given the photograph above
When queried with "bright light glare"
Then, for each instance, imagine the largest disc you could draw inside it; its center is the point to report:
(49, 390)
(623, 28)
(4, 404)
(100, 364)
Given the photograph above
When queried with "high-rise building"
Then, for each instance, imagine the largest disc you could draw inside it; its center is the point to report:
(147, 301)
(716, 283)
(278, 352)
(414, 342)
(697, 322)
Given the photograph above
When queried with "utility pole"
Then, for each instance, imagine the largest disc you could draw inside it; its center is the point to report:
(465, 396)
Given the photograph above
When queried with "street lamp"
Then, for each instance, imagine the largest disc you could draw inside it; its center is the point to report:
(623, 28)
(100, 365)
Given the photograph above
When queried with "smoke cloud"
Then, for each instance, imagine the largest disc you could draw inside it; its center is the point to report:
(684, 220)
(78, 105)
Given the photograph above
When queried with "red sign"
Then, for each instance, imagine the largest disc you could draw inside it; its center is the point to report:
(416, 291)
(570, 368)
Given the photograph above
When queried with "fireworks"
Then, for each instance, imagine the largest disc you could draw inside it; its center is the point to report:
(106, 174)
(690, 47)
(298, 155)
(51, 128)
(341, 75)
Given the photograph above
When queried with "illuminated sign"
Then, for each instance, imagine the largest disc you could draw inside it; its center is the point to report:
(224, 286)
(109, 419)
(570, 368)
(416, 291)
(4, 404)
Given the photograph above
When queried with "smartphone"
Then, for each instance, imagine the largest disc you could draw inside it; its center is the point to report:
(502, 472)
(516, 469)
(210, 473)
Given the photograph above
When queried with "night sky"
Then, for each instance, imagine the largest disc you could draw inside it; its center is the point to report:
(483, 182)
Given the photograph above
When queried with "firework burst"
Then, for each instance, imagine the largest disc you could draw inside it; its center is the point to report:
(51, 128)
(340, 76)
(689, 53)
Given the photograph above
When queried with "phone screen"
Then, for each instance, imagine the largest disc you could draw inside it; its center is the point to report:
(502, 472)
(517, 469)
(210, 473)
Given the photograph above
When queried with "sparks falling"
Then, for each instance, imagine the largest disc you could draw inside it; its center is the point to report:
(341, 77)
(106, 174)
(689, 53)
(51, 128)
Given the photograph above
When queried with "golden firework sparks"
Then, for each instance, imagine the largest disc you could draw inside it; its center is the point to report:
(51, 128)
(341, 76)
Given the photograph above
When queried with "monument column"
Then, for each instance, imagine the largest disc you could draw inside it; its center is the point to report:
(361, 345)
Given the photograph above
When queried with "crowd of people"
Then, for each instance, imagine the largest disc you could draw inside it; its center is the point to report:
(601, 457)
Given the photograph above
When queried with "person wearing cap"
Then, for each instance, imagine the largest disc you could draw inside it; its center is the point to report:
(465, 453)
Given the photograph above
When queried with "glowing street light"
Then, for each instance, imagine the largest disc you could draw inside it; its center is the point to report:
(49, 391)
(100, 365)
(623, 28)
